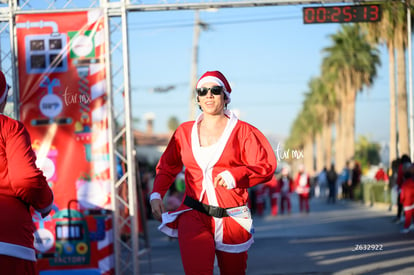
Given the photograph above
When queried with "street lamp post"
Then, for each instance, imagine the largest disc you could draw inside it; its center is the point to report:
(194, 65)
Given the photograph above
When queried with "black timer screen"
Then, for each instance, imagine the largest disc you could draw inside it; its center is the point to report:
(342, 14)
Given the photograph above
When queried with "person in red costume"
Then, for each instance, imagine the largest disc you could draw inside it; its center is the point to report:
(285, 187)
(381, 175)
(223, 156)
(405, 161)
(267, 189)
(302, 187)
(22, 186)
(407, 199)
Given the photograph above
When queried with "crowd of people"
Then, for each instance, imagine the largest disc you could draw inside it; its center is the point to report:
(399, 184)
(327, 184)
(278, 193)
(330, 185)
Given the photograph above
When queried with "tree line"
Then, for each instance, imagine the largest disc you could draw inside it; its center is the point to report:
(325, 125)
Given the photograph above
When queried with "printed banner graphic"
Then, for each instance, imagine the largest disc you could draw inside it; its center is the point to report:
(63, 104)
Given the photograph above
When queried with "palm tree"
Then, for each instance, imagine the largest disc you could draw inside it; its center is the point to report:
(392, 31)
(399, 16)
(315, 98)
(303, 132)
(324, 105)
(382, 32)
(353, 62)
(334, 118)
(297, 138)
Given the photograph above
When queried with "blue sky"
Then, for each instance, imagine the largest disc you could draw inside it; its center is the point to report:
(266, 53)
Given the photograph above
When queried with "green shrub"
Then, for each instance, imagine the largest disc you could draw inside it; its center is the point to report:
(375, 192)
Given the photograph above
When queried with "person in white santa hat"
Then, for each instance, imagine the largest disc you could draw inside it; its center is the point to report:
(223, 156)
(22, 187)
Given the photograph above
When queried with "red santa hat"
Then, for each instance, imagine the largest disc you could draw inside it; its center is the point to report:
(218, 78)
(4, 88)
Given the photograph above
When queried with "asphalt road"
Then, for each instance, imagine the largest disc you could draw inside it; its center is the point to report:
(345, 238)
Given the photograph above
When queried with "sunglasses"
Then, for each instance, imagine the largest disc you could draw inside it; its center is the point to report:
(215, 90)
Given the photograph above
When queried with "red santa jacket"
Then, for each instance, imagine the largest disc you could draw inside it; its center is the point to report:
(242, 152)
(302, 183)
(22, 185)
(380, 175)
(407, 194)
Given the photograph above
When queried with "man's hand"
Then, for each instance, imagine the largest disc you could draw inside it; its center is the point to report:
(157, 208)
(219, 181)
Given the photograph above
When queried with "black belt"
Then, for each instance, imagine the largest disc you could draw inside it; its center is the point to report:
(210, 210)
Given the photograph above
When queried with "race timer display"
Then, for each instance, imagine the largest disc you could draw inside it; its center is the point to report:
(342, 14)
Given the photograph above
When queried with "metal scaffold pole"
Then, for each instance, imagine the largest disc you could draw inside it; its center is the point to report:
(124, 189)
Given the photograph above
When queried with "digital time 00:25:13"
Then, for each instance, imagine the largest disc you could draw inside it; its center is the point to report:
(342, 14)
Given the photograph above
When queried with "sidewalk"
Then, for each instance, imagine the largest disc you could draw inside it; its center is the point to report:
(321, 242)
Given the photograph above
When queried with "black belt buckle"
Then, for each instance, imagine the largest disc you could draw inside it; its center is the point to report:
(217, 212)
(214, 211)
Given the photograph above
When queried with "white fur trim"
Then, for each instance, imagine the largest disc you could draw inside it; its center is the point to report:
(229, 179)
(409, 207)
(168, 217)
(45, 211)
(198, 154)
(155, 195)
(210, 79)
(235, 248)
(18, 251)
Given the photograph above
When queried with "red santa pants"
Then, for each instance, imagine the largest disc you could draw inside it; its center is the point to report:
(273, 203)
(273, 200)
(304, 202)
(15, 266)
(197, 247)
(409, 215)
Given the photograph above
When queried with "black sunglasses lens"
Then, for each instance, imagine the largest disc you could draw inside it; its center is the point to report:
(216, 90)
(202, 91)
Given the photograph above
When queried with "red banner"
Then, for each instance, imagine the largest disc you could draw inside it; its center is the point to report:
(63, 104)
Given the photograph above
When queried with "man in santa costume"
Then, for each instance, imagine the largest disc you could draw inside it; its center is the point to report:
(223, 156)
(302, 187)
(22, 186)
